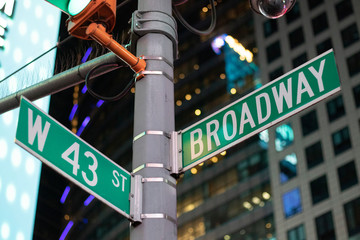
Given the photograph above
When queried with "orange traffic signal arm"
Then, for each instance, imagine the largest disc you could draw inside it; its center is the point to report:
(99, 34)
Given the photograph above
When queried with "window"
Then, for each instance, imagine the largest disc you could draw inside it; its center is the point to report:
(299, 60)
(270, 27)
(276, 73)
(297, 233)
(325, 227)
(324, 46)
(292, 202)
(319, 189)
(293, 14)
(223, 182)
(356, 92)
(314, 3)
(352, 215)
(319, 23)
(284, 137)
(353, 64)
(288, 168)
(273, 51)
(341, 140)
(296, 37)
(347, 175)
(314, 155)
(335, 108)
(350, 35)
(309, 123)
(344, 9)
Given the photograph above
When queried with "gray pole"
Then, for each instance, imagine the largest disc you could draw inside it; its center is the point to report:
(154, 121)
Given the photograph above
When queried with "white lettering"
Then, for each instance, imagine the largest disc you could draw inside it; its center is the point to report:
(283, 94)
(7, 6)
(318, 75)
(262, 119)
(213, 133)
(197, 142)
(245, 118)
(234, 125)
(117, 183)
(35, 129)
(303, 81)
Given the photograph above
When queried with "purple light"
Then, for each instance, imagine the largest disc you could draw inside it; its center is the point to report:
(218, 43)
(83, 125)
(73, 111)
(65, 194)
(87, 54)
(99, 103)
(66, 230)
(88, 200)
(84, 89)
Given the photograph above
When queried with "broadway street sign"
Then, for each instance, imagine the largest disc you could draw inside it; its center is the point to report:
(53, 144)
(287, 95)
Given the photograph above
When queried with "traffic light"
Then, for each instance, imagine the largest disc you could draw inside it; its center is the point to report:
(84, 12)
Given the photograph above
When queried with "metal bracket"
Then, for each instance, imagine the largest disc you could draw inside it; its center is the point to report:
(175, 154)
(136, 196)
(158, 216)
(143, 22)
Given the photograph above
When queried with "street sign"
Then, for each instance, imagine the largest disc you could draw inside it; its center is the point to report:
(287, 95)
(66, 153)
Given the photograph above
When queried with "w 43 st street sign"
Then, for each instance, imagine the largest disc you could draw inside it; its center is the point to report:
(289, 94)
(76, 160)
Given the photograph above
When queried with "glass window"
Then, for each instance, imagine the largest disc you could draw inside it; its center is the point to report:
(335, 108)
(309, 123)
(319, 189)
(223, 182)
(296, 37)
(350, 35)
(270, 27)
(189, 201)
(314, 155)
(276, 73)
(341, 140)
(293, 14)
(353, 64)
(251, 166)
(284, 137)
(356, 92)
(347, 175)
(299, 60)
(324, 46)
(352, 215)
(288, 168)
(319, 23)
(273, 51)
(344, 9)
(325, 227)
(297, 233)
(292, 202)
(314, 3)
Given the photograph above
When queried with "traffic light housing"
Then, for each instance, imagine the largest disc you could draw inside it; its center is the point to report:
(84, 12)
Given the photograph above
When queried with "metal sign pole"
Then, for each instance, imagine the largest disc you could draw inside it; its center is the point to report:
(154, 122)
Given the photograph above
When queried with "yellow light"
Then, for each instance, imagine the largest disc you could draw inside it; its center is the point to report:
(178, 103)
(205, 9)
(214, 159)
(223, 153)
(181, 76)
(197, 112)
(132, 90)
(247, 205)
(197, 91)
(256, 200)
(227, 237)
(222, 76)
(233, 91)
(188, 97)
(193, 171)
(66, 217)
(268, 225)
(266, 195)
(196, 67)
(201, 164)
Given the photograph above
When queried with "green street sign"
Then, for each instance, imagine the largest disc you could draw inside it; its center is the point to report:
(70, 7)
(287, 95)
(66, 153)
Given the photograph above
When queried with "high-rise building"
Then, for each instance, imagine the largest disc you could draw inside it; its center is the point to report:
(315, 172)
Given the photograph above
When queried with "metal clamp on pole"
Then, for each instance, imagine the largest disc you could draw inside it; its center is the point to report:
(136, 196)
(175, 154)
